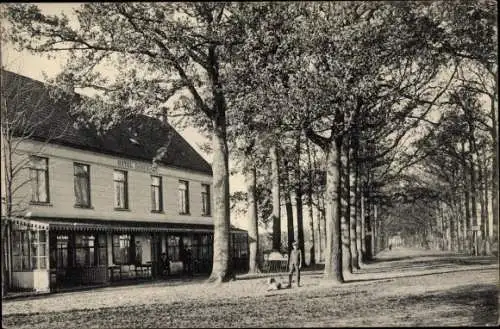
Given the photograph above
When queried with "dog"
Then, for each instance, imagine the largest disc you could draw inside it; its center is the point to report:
(272, 284)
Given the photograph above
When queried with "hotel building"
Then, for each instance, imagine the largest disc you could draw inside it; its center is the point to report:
(92, 208)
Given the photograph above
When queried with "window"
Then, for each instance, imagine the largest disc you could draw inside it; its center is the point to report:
(205, 246)
(20, 251)
(240, 245)
(60, 254)
(183, 197)
(156, 194)
(29, 250)
(39, 174)
(205, 199)
(121, 198)
(121, 249)
(82, 185)
(85, 250)
(173, 248)
(39, 250)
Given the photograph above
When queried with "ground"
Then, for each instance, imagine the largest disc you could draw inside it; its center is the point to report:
(403, 287)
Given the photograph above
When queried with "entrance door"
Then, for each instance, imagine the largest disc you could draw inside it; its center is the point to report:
(156, 255)
(59, 245)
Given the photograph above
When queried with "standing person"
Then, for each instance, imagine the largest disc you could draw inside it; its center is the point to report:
(165, 265)
(189, 261)
(294, 264)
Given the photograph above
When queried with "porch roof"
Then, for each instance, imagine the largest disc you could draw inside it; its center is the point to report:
(80, 224)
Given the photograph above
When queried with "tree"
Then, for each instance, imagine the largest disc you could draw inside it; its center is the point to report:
(26, 129)
(470, 34)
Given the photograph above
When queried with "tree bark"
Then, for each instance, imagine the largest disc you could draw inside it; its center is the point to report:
(320, 220)
(467, 225)
(494, 181)
(310, 205)
(298, 200)
(333, 250)
(253, 228)
(289, 210)
(275, 190)
(351, 180)
(222, 267)
(473, 191)
(364, 255)
(358, 213)
(345, 210)
(486, 204)
(321, 240)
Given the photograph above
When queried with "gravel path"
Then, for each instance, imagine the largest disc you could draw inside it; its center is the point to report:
(390, 289)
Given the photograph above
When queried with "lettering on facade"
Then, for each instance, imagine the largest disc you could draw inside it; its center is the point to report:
(140, 166)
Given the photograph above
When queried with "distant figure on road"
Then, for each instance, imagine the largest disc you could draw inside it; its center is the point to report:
(294, 264)
(390, 246)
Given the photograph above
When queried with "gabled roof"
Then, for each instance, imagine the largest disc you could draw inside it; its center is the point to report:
(138, 137)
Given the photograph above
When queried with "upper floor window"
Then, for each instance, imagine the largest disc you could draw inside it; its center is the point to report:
(183, 197)
(121, 189)
(156, 195)
(39, 174)
(82, 184)
(205, 199)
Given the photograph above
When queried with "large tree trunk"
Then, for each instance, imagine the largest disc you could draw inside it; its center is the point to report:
(460, 219)
(345, 211)
(362, 208)
(312, 254)
(222, 267)
(482, 205)
(473, 191)
(333, 250)
(289, 210)
(486, 204)
(320, 219)
(359, 225)
(467, 225)
(275, 190)
(375, 230)
(253, 233)
(298, 201)
(369, 222)
(352, 211)
(494, 182)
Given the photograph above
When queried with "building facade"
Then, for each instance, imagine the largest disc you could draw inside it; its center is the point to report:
(92, 208)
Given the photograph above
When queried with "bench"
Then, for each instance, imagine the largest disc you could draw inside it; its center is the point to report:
(275, 262)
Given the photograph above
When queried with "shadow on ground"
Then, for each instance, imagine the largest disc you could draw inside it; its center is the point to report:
(451, 261)
(480, 301)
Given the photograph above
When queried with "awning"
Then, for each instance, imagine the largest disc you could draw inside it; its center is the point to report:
(26, 224)
(79, 224)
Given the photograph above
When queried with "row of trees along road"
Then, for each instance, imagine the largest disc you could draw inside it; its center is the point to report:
(335, 104)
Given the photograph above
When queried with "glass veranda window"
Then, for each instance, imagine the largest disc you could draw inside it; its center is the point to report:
(121, 249)
(29, 250)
